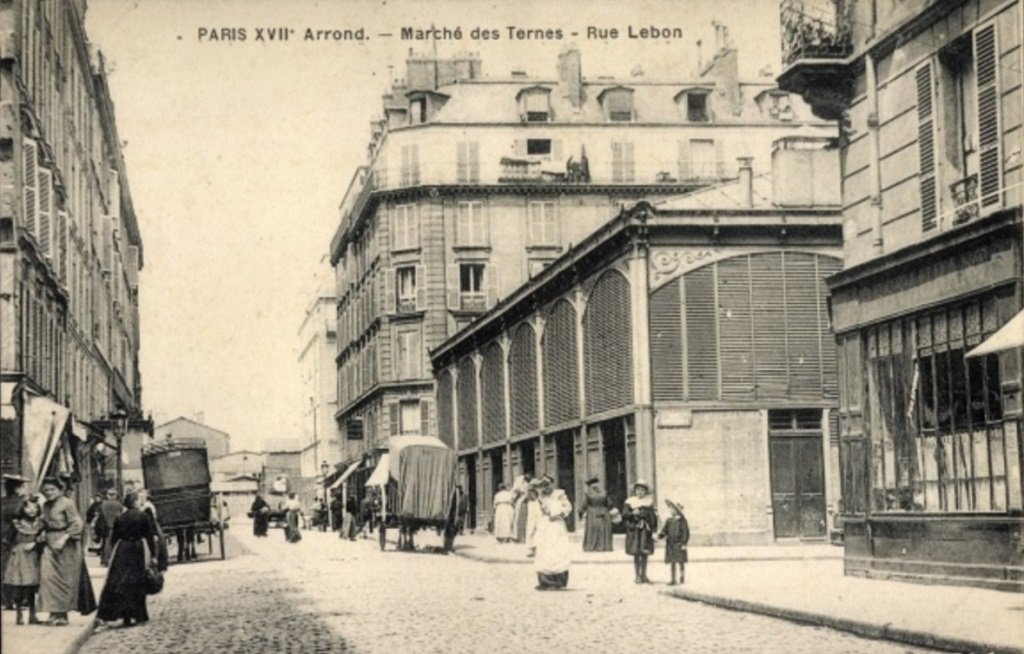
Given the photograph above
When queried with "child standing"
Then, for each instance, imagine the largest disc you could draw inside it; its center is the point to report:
(676, 533)
(21, 575)
(641, 520)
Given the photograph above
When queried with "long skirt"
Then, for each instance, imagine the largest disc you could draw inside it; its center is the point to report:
(260, 521)
(597, 536)
(503, 522)
(292, 532)
(60, 576)
(554, 551)
(123, 596)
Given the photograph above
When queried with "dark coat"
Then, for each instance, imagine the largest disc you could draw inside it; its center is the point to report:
(260, 516)
(123, 593)
(641, 521)
(676, 533)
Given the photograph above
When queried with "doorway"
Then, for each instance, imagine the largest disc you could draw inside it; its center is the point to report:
(797, 473)
(470, 488)
(565, 471)
(613, 438)
(527, 458)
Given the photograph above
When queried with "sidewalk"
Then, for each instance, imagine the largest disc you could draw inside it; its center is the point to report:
(805, 583)
(41, 639)
(483, 547)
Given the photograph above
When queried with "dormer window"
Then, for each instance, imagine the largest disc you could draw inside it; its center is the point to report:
(535, 104)
(418, 111)
(424, 105)
(617, 103)
(694, 105)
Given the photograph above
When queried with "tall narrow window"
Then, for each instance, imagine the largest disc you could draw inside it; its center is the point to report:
(405, 233)
(410, 172)
(471, 286)
(622, 161)
(926, 148)
(467, 154)
(405, 281)
(471, 224)
(409, 354)
(543, 224)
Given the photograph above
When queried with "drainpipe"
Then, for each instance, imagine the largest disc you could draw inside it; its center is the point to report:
(877, 240)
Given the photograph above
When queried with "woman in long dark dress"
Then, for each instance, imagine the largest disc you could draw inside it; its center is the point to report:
(124, 595)
(597, 536)
(260, 516)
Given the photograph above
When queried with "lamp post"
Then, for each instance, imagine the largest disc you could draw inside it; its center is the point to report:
(324, 468)
(120, 420)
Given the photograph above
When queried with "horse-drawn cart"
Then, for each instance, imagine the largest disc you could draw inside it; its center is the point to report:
(177, 476)
(417, 479)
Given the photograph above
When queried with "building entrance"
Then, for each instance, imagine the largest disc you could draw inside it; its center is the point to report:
(565, 472)
(797, 475)
(613, 438)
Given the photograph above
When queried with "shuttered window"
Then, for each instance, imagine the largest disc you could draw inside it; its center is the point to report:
(561, 365)
(445, 415)
(701, 334)
(736, 331)
(608, 336)
(30, 198)
(926, 147)
(466, 390)
(986, 61)
(827, 266)
(467, 155)
(522, 372)
(622, 161)
(768, 310)
(410, 171)
(667, 343)
(45, 211)
(492, 395)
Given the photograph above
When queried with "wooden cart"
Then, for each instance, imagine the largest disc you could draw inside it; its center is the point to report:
(177, 475)
(416, 478)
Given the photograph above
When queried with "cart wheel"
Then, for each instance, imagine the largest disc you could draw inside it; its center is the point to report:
(381, 535)
(223, 554)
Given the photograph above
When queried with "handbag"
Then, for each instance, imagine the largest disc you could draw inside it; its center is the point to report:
(615, 515)
(153, 578)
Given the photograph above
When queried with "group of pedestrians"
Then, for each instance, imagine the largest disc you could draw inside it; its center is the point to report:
(347, 516)
(44, 559)
(544, 509)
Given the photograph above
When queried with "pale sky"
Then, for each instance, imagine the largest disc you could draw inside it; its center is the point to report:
(238, 153)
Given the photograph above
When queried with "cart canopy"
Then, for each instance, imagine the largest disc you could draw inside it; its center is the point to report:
(424, 469)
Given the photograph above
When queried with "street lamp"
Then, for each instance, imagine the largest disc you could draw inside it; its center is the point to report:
(120, 420)
(324, 468)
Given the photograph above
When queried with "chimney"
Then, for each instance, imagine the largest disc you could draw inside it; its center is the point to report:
(747, 180)
(570, 76)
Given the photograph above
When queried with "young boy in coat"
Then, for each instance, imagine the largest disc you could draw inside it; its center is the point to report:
(676, 532)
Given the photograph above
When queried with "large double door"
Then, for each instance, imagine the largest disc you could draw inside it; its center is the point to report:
(797, 480)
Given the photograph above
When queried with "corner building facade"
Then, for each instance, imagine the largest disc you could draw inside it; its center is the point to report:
(685, 343)
(70, 247)
(930, 94)
(474, 185)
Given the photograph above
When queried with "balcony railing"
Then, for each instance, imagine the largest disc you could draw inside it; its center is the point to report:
(965, 199)
(816, 29)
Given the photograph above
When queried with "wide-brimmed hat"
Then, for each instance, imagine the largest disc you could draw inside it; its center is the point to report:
(641, 482)
(675, 506)
(14, 477)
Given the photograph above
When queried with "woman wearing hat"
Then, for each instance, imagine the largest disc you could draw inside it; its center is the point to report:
(641, 520)
(554, 551)
(62, 587)
(597, 535)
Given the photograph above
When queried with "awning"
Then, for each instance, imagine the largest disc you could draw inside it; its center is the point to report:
(345, 475)
(1007, 337)
(44, 423)
(380, 473)
(7, 411)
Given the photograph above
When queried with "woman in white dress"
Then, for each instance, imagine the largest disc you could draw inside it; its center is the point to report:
(504, 529)
(554, 551)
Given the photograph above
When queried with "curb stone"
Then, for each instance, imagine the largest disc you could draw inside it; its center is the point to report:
(486, 558)
(866, 629)
(80, 639)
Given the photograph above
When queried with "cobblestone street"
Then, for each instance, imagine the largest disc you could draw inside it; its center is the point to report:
(325, 595)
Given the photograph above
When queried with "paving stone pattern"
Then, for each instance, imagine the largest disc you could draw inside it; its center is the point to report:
(325, 595)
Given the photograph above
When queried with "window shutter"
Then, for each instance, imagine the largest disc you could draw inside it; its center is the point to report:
(393, 411)
(485, 224)
(926, 147)
(493, 282)
(462, 161)
(556, 149)
(421, 288)
(684, 159)
(425, 417)
(520, 148)
(414, 226)
(389, 290)
(474, 161)
(629, 173)
(31, 194)
(452, 284)
(616, 161)
(986, 63)
(62, 246)
(45, 178)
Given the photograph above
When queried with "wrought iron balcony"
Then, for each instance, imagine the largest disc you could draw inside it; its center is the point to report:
(965, 199)
(816, 30)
